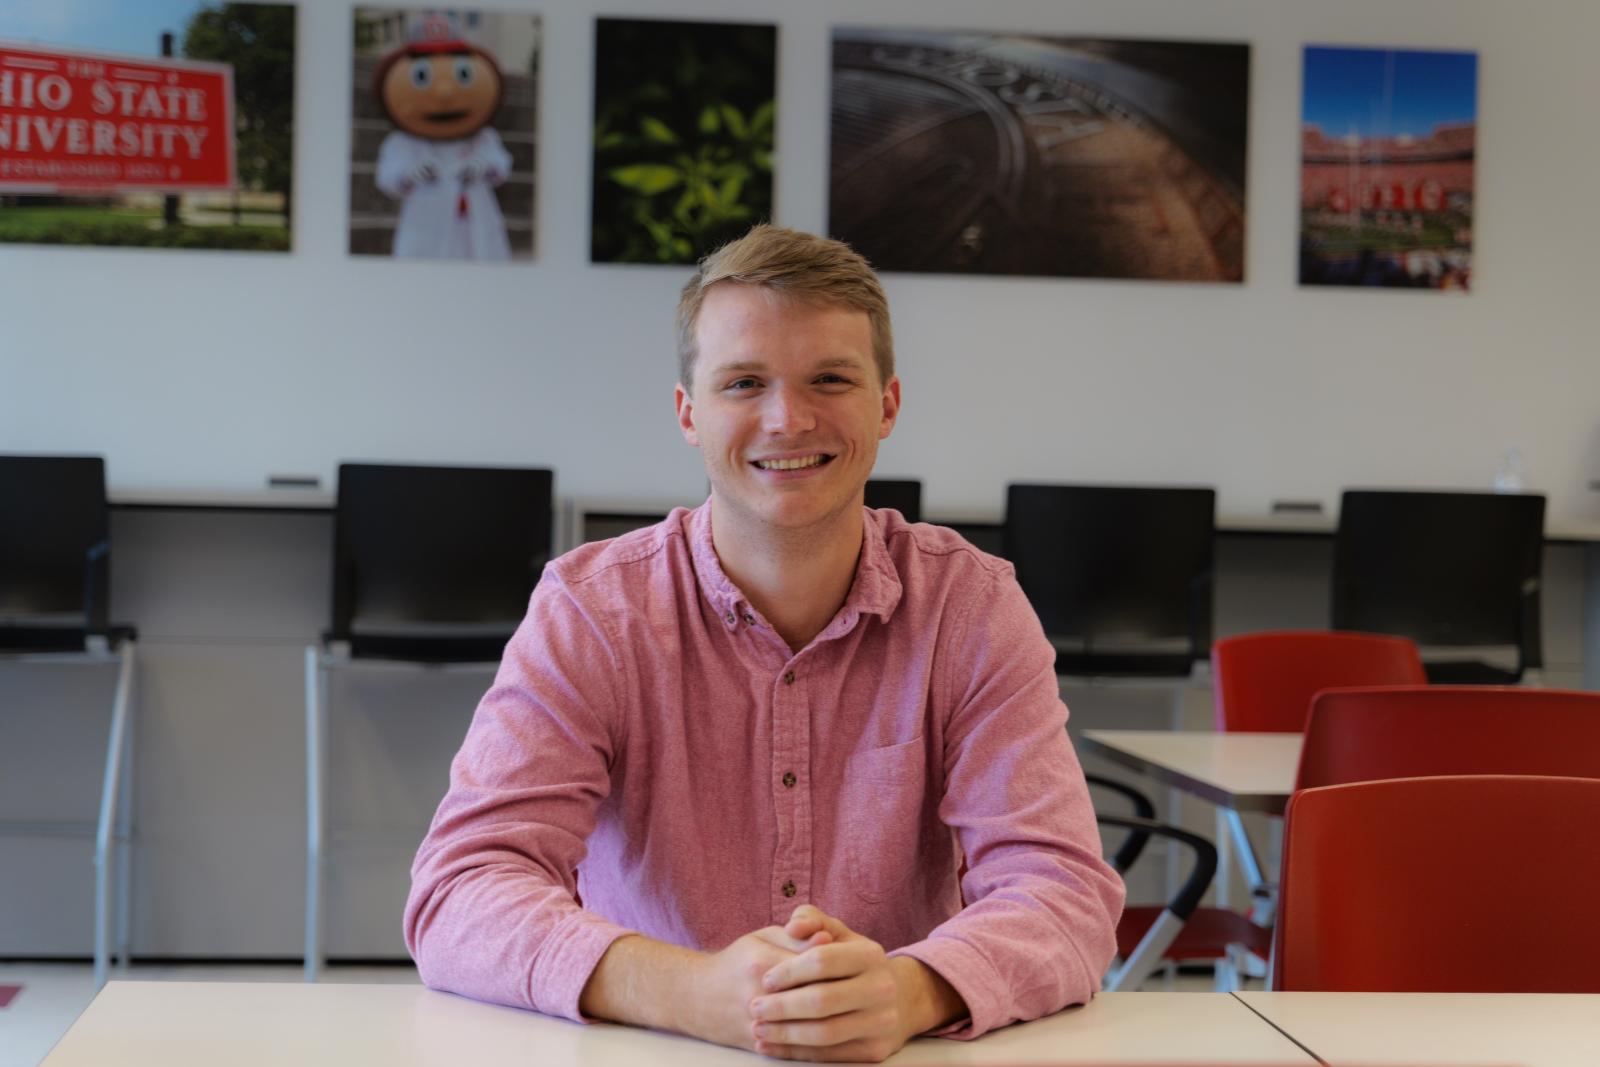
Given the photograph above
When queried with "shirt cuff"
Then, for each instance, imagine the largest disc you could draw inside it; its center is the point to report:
(971, 976)
(566, 960)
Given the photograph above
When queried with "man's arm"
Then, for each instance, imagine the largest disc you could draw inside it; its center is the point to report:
(492, 913)
(1039, 928)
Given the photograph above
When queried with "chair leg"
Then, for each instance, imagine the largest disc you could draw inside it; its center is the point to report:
(110, 791)
(316, 739)
(1175, 802)
(1146, 955)
(122, 939)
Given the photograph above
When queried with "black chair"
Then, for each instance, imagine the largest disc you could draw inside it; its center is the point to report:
(1179, 929)
(1121, 576)
(1455, 572)
(902, 494)
(55, 605)
(431, 565)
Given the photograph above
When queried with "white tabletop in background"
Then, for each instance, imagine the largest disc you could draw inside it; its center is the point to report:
(172, 1024)
(1243, 771)
(1439, 1029)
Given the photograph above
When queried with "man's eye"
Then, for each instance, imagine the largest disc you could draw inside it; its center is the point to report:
(833, 379)
(743, 383)
(421, 73)
(463, 72)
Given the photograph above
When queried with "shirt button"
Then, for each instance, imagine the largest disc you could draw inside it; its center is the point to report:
(788, 889)
(789, 779)
(731, 619)
(749, 618)
(788, 677)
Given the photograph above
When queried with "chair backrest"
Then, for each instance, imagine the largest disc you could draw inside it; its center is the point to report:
(1445, 569)
(1265, 681)
(1448, 885)
(437, 546)
(54, 536)
(902, 494)
(1113, 570)
(1356, 735)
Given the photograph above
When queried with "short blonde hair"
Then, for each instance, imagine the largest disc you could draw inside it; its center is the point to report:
(798, 266)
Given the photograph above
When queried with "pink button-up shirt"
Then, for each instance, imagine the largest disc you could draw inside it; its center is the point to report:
(652, 744)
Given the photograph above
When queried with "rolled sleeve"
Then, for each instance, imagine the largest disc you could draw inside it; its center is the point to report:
(493, 912)
(1039, 926)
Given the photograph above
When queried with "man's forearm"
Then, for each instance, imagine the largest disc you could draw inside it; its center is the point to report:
(927, 1001)
(643, 982)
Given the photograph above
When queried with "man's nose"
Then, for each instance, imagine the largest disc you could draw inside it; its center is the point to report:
(788, 412)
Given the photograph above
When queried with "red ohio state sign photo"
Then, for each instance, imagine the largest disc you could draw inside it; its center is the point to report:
(73, 121)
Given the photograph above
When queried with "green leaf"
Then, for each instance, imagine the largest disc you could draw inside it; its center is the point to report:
(761, 118)
(709, 121)
(736, 124)
(729, 192)
(657, 131)
(646, 178)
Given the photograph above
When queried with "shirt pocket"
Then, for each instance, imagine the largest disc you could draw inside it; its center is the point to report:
(882, 801)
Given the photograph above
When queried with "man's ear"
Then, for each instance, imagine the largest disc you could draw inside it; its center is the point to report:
(685, 405)
(891, 407)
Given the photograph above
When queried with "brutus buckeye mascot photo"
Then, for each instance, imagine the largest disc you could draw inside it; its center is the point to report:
(443, 159)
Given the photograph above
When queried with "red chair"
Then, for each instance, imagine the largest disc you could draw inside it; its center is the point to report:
(1356, 735)
(1265, 681)
(1411, 885)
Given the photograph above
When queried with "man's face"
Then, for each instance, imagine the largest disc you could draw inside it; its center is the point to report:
(442, 96)
(787, 407)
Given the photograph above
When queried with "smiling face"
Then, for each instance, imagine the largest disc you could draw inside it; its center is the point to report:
(786, 408)
(441, 95)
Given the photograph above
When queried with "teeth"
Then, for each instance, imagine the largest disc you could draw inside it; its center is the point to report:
(789, 464)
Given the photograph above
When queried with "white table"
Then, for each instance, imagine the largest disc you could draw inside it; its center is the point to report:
(1239, 771)
(1432, 1029)
(172, 1024)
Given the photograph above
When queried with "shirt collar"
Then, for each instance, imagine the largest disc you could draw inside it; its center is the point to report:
(875, 590)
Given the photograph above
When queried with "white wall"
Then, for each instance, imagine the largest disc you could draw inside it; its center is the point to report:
(211, 370)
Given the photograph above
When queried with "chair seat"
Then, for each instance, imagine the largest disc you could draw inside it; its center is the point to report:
(1124, 664)
(1471, 672)
(1206, 936)
(31, 639)
(420, 648)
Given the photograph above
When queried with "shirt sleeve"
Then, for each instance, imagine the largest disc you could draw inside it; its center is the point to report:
(493, 913)
(1039, 928)
(395, 160)
(492, 152)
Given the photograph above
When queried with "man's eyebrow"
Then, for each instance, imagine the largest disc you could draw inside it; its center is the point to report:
(749, 365)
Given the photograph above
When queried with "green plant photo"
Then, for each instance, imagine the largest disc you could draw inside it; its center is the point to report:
(683, 142)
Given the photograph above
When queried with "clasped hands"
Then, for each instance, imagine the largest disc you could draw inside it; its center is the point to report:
(813, 989)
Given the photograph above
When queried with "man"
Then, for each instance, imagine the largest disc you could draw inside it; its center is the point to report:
(771, 731)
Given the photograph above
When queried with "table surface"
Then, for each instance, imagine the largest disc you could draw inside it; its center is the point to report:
(1439, 1029)
(1242, 771)
(178, 1023)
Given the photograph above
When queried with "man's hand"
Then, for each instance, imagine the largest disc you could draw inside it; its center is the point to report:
(844, 998)
(642, 982)
(730, 979)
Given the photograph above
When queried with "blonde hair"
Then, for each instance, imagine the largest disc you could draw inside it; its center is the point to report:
(798, 266)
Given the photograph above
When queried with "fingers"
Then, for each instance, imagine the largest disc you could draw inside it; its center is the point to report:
(778, 937)
(824, 963)
(823, 1032)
